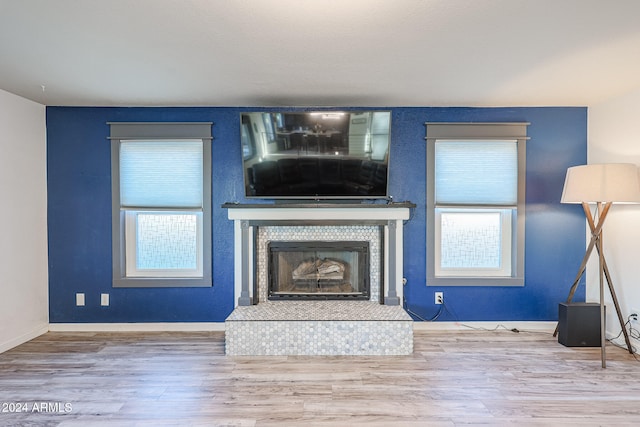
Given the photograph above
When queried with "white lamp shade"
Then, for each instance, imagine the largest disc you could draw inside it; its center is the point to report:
(608, 182)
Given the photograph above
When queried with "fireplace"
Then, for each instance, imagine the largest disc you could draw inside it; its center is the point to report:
(255, 226)
(312, 270)
(342, 286)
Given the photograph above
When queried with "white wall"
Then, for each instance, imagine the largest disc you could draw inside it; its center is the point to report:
(614, 137)
(24, 306)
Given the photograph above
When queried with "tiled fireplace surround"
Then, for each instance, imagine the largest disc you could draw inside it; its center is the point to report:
(378, 326)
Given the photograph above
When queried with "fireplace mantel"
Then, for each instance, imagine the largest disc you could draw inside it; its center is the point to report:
(319, 211)
(247, 217)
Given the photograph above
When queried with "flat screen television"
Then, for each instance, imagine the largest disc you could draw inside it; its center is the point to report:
(319, 155)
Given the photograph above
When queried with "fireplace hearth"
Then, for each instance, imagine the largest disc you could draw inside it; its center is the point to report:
(333, 306)
(312, 270)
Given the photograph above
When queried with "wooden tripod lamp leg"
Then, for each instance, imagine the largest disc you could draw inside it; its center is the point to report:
(596, 242)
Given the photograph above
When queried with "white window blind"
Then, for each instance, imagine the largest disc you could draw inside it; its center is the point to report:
(161, 173)
(476, 173)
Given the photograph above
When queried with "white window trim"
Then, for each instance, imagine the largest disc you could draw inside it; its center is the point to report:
(477, 131)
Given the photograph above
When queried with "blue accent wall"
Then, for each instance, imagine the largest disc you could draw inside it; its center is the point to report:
(79, 215)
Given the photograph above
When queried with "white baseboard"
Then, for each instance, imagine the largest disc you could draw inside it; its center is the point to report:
(220, 326)
(484, 326)
(28, 336)
(138, 327)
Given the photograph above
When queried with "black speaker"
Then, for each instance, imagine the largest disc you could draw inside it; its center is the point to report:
(579, 324)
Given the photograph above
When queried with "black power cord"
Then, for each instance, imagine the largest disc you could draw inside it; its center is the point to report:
(445, 308)
(442, 309)
(633, 334)
(416, 315)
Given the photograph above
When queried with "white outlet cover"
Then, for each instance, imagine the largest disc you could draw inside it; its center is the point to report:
(80, 300)
(104, 300)
(438, 297)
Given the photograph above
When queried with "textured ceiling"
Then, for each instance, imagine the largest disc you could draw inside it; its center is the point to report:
(319, 52)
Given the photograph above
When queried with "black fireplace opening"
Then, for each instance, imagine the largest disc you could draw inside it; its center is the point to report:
(318, 270)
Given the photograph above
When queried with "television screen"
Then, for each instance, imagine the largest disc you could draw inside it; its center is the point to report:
(316, 154)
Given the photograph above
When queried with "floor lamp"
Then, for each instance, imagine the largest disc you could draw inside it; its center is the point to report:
(601, 185)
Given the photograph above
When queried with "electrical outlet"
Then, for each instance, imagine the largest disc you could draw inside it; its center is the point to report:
(80, 299)
(634, 320)
(104, 300)
(439, 297)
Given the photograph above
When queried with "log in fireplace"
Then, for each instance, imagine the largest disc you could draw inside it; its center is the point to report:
(318, 270)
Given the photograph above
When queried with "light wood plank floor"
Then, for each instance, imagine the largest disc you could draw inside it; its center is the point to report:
(496, 378)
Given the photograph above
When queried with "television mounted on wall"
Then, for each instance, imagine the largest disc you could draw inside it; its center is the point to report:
(320, 155)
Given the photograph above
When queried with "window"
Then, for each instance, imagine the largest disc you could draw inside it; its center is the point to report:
(475, 203)
(246, 136)
(269, 132)
(161, 188)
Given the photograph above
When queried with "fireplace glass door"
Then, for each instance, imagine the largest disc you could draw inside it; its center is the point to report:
(318, 270)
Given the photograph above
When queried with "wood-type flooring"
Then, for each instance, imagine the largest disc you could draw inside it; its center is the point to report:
(475, 378)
